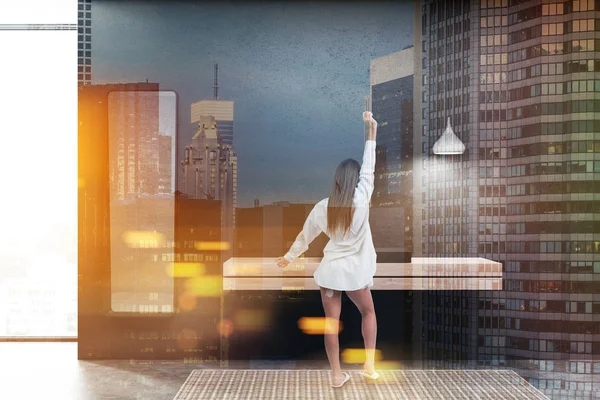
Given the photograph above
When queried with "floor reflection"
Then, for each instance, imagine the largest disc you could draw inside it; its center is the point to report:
(58, 374)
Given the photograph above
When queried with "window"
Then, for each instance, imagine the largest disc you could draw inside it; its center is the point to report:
(553, 9)
(580, 25)
(40, 298)
(552, 29)
(583, 5)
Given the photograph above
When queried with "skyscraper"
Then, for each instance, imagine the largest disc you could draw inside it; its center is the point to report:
(222, 111)
(208, 171)
(84, 42)
(133, 123)
(165, 164)
(446, 328)
(391, 101)
(517, 79)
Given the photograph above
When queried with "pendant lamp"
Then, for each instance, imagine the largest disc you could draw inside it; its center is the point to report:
(448, 143)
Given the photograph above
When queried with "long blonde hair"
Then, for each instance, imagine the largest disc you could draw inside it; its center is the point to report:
(340, 210)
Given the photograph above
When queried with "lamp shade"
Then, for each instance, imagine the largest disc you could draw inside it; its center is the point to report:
(448, 143)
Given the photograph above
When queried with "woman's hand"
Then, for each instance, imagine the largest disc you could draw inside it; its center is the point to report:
(282, 262)
(368, 118)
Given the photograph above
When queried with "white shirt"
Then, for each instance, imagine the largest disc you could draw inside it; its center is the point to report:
(348, 262)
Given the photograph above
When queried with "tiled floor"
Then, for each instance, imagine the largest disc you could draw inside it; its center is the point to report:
(315, 384)
(52, 371)
(59, 375)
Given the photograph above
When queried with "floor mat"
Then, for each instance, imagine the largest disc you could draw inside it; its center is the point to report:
(392, 384)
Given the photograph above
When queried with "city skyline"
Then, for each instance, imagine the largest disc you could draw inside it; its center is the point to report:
(291, 90)
(518, 195)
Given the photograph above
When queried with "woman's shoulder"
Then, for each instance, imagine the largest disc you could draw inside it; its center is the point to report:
(322, 205)
(320, 209)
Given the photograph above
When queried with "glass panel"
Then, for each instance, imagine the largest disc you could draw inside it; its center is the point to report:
(141, 129)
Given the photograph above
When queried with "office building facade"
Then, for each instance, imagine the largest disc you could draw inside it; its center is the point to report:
(208, 173)
(84, 42)
(221, 110)
(391, 101)
(134, 140)
(517, 80)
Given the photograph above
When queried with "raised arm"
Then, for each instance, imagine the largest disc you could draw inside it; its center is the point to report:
(366, 181)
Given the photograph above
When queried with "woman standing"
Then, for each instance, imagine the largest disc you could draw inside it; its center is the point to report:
(349, 258)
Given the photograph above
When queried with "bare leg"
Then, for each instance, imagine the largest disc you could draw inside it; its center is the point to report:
(364, 302)
(333, 307)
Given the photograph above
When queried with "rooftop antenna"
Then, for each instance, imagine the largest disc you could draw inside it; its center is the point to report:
(216, 85)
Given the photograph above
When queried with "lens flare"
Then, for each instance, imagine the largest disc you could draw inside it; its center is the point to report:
(319, 325)
(187, 301)
(358, 356)
(205, 285)
(247, 269)
(225, 327)
(211, 245)
(187, 339)
(388, 365)
(185, 270)
(143, 239)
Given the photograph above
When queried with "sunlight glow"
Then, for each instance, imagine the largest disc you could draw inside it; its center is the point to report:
(38, 164)
(205, 285)
(185, 270)
(358, 356)
(144, 239)
(319, 325)
(388, 365)
(187, 301)
(39, 12)
(225, 328)
(212, 246)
